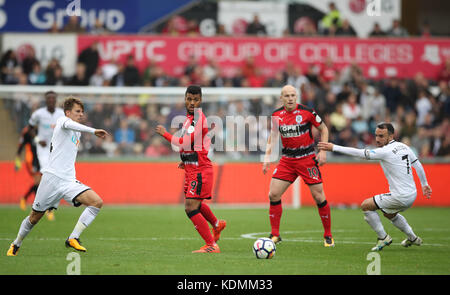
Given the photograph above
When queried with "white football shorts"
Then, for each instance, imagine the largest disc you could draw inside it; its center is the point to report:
(52, 189)
(43, 154)
(390, 204)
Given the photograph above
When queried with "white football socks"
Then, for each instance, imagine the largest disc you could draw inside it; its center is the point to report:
(85, 219)
(24, 230)
(373, 219)
(400, 222)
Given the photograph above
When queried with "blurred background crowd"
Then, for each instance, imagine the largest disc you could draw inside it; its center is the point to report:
(350, 104)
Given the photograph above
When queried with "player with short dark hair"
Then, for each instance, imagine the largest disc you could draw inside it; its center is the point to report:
(194, 146)
(396, 159)
(294, 122)
(59, 179)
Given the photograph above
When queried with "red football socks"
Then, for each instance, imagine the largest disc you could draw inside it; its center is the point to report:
(275, 212)
(208, 214)
(201, 225)
(324, 213)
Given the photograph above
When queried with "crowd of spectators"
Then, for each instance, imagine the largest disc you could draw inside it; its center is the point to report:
(349, 103)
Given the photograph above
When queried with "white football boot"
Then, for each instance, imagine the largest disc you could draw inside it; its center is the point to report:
(382, 243)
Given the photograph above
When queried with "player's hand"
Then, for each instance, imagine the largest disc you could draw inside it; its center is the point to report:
(427, 191)
(17, 163)
(101, 133)
(325, 146)
(42, 143)
(181, 165)
(266, 166)
(321, 157)
(160, 129)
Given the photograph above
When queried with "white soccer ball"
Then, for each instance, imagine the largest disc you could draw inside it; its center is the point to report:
(264, 248)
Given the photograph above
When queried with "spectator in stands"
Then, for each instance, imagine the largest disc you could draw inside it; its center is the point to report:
(37, 76)
(444, 74)
(397, 30)
(73, 26)
(276, 81)
(8, 63)
(160, 78)
(131, 73)
(192, 28)
(346, 29)
(55, 76)
(328, 72)
(99, 28)
(157, 148)
(377, 31)
(125, 137)
(392, 93)
(337, 118)
(425, 30)
(29, 60)
(97, 148)
(257, 79)
(423, 107)
(256, 27)
(90, 58)
(79, 79)
(175, 26)
(97, 79)
(351, 109)
(110, 69)
(332, 18)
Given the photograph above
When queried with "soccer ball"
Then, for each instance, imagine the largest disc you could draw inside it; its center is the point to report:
(264, 248)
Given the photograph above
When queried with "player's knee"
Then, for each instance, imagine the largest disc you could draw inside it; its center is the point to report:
(273, 197)
(365, 206)
(98, 203)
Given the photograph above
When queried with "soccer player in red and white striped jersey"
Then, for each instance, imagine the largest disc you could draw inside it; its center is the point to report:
(294, 122)
(194, 146)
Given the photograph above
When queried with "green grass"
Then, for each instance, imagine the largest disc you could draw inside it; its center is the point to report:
(159, 240)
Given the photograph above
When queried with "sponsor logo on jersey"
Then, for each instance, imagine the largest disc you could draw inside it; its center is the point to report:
(288, 131)
(75, 140)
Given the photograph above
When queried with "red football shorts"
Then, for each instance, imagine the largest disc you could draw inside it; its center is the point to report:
(198, 185)
(290, 168)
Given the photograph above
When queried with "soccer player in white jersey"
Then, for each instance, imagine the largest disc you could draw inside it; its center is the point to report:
(397, 160)
(59, 181)
(43, 120)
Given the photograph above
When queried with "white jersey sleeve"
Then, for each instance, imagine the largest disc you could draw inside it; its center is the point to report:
(64, 148)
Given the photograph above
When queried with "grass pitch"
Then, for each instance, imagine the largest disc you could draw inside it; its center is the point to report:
(159, 241)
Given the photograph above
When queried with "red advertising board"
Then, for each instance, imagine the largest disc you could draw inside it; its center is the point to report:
(378, 57)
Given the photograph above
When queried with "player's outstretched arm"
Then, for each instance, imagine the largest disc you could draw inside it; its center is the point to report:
(426, 189)
(161, 130)
(322, 155)
(329, 147)
(101, 133)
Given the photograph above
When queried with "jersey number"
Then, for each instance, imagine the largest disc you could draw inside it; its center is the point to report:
(313, 172)
(405, 157)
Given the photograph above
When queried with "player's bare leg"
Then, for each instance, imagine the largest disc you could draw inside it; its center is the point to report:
(324, 212)
(373, 219)
(93, 204)
(401, 223)
(26, 226)
(192, 209)
(276, 190)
